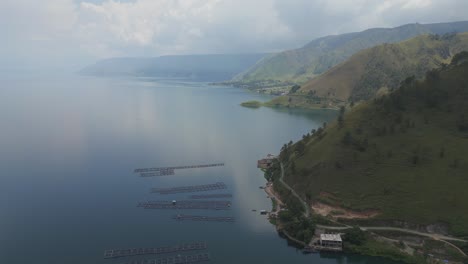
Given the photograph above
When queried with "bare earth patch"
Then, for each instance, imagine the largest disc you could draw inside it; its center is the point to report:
(339, 212)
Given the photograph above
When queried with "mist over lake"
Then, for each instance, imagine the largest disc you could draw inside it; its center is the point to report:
(69, 146)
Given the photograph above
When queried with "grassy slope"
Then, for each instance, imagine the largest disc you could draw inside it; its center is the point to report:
(300, 65)
(375, 71)
(384, 177)
(385, 66)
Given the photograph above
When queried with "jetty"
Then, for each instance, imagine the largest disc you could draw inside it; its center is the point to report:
(193, 188)
(210, 205)
(117, 253)
(175, 259)
(164, 172)
(211, 196)
(204, 218)
(149, 170)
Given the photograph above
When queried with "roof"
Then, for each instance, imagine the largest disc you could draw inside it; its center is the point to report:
(330, 237)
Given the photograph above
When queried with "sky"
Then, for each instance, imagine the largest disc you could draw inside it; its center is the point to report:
(69, 34)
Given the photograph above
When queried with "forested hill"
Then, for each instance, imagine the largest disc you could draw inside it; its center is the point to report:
(218, 67)
(403, 155)
(301, 65)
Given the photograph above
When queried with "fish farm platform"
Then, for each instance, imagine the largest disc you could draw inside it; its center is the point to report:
(209, 196)
(117, 253)
(145, 170)
(213, 205)
(174, 260)
(193, 188)
(204, 218)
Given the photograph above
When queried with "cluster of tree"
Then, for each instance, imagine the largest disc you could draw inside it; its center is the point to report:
(355, 236)
(300, 146)
(258, 84)
(294, 89)
(299, 227)
(273, 172)
(292, 219)
(360, 144)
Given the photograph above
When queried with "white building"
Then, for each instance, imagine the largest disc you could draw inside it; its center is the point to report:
(331, 241)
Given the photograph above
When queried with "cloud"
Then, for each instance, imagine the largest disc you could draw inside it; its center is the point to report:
(61, 31)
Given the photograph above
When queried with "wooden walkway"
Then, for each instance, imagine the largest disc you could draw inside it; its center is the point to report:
(211, 196)
(117, 253)
(174, 260)
(204, 218)
(146, 170)
(193, 188)
(211, 205)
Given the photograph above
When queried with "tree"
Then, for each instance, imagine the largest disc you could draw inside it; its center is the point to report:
(460, 58)
(300, 147)
(340, 121)
(341, 117)
(442, 152)
(294, 89)
(347, 138)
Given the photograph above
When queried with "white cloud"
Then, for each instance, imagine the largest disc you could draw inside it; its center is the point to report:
(64, 30)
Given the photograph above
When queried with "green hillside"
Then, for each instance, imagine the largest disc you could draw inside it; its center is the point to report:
(301, 65)
(403, 155)
(382, 68)
(376, 71)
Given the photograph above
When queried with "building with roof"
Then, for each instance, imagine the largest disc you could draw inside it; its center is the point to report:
(266, 162)
(331, 241)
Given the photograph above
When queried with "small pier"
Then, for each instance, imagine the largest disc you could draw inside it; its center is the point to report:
(164, 172)
(117, 253)
(175, 259)
(204, 218)
(193, 188)
(210, 205)
(211, 196)
(149, 170)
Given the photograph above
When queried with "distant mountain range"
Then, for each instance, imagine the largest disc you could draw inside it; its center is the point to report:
(212, 68)
(303, 64)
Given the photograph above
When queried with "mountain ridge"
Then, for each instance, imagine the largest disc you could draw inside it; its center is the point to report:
(375, 71)
(206, 67)
(302, 64)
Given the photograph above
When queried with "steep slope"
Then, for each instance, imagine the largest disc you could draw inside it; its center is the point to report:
(195, 67)
(382, 68)
(300, 65)
(403, 156)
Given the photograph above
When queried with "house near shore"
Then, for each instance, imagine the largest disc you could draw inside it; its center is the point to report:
(266, 162)
(331, 242)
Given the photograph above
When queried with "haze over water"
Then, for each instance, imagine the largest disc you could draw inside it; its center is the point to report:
(69, 145)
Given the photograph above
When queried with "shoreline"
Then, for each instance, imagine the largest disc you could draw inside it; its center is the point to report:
(376, 245)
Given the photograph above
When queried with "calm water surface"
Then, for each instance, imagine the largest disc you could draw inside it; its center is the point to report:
(68, 147)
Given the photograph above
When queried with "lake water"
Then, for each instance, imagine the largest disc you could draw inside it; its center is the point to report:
(68, 148)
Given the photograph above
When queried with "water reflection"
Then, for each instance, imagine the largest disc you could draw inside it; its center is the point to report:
(69, 146)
